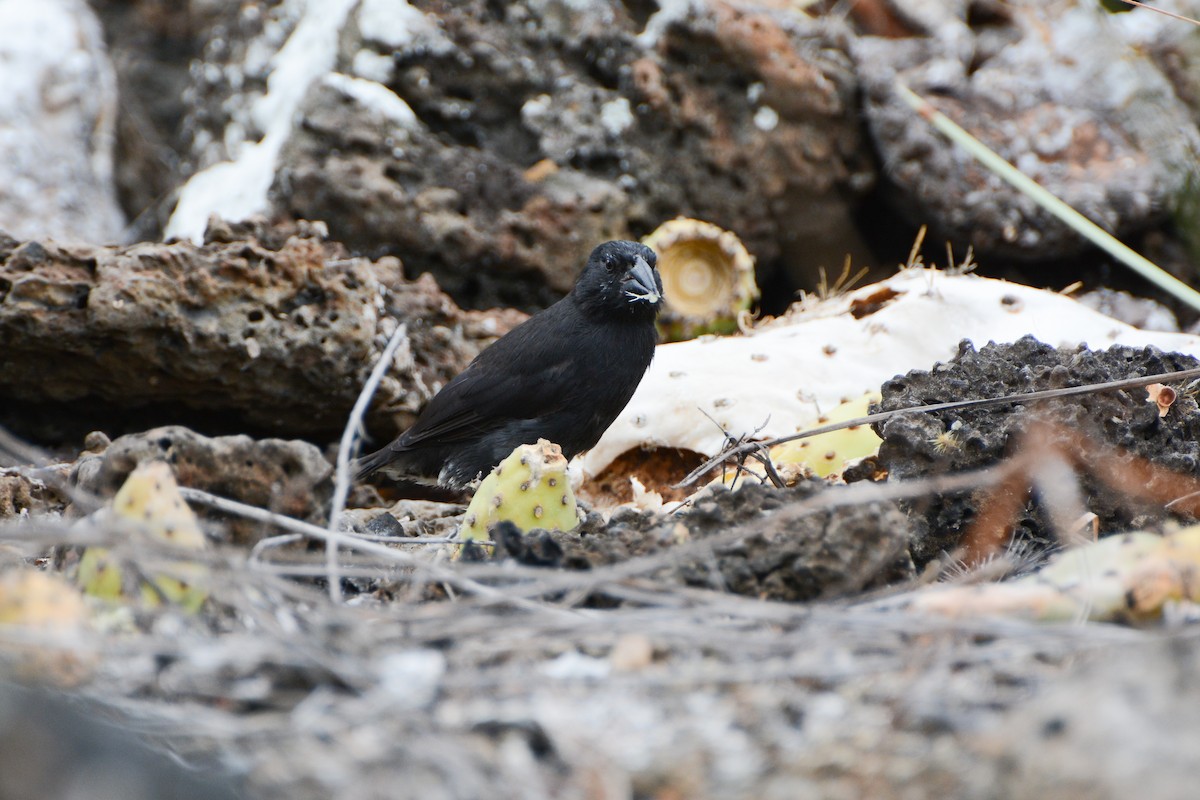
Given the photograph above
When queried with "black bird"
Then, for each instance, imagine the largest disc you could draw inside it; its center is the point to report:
(564, 375)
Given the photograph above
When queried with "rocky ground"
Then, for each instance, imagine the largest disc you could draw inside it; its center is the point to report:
(215, 217)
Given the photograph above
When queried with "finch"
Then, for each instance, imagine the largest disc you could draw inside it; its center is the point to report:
(564, 375)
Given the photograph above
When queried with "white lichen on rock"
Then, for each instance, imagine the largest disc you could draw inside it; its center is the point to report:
(237, 189)
(58, 116)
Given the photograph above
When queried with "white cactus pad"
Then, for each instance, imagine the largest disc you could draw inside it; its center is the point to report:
(781, 376)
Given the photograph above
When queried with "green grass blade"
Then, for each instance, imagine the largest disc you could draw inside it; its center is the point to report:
(1034, 191)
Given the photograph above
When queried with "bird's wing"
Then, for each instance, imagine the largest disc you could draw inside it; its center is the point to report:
(521, 376)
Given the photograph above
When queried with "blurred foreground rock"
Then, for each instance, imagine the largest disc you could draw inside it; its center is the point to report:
(54, 747)
(263, 329)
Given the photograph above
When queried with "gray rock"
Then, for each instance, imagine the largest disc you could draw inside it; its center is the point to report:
(289, 477)
(57, 117)
(495, 146)
(1060, 90)
(152, 45)
(269, 329)
(1140, 312)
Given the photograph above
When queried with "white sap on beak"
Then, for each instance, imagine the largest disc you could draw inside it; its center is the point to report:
(640, 284)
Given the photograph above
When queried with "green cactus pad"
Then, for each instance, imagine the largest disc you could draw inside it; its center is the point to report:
(529, 489)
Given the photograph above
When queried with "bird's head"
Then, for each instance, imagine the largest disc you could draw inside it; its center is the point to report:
(620, 279)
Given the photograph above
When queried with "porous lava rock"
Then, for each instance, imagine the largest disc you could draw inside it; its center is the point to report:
(22, 495)
(927, 444)
(495, 144)
(767, 543)
(266, 329)
(288, 477)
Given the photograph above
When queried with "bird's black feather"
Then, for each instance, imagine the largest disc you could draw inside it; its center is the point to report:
(563, 375)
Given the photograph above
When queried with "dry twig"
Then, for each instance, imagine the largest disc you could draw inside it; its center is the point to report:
(346, 451)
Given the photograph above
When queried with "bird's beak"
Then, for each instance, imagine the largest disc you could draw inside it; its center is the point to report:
(640, 285)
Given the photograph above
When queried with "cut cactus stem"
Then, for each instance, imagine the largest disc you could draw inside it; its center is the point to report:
(708, 278)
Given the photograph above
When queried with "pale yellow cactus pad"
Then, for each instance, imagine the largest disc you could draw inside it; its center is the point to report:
(824, 455)
(1131, 576)
(40, 600)
(43, 627)
(827, 454)
(150, 500)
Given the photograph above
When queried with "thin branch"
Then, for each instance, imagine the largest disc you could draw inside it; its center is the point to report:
(372, 537)
(389, 554)
(346, 450)
(986, 402)
(1048, 201)
(17, 451)
(262, 545)
(764, 458)
(1164, 12)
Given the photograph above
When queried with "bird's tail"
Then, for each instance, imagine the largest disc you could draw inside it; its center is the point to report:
(365, 466)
